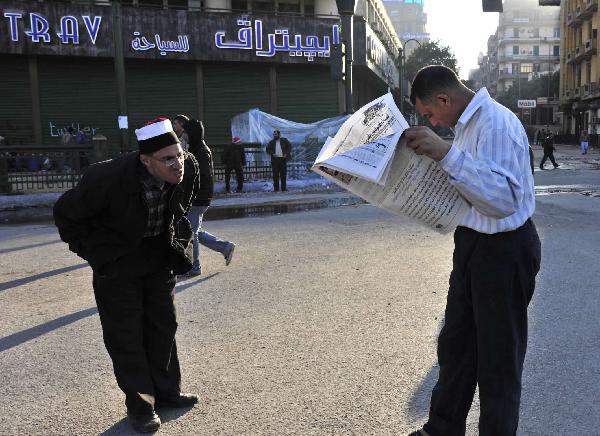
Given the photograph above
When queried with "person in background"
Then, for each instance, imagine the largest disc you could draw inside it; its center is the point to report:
(497, 253)
(548, 145)
(126, 217)
(194, 133)
(279, 149)
(234, 159)
(67, 139)
(178, 122)
(584, 142)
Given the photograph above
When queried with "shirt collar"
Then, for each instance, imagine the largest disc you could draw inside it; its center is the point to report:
(476, 102)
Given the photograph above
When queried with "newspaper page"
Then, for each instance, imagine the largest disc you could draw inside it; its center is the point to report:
(366, 143)
(415, 185)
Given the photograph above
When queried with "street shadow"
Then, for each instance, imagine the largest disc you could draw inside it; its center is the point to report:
(18, 282)
(25, 247)
(418, 404)
(123, 428)
(23, 336)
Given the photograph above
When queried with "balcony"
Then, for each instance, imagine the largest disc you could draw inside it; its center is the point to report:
(591, 5)
(590, 47)
(573, 20)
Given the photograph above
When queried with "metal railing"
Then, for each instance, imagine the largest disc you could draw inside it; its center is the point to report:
(28, 169)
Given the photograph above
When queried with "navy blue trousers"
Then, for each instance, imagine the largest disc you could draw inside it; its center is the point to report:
(484, 338)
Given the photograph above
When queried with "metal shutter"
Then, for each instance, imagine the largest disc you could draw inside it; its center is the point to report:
(15, 100)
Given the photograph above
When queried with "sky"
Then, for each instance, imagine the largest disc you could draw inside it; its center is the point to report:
(462, 26)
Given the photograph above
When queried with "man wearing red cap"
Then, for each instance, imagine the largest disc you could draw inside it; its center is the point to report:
(126, 217)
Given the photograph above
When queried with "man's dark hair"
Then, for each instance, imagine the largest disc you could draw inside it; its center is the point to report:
(432, 80)
(181, 118)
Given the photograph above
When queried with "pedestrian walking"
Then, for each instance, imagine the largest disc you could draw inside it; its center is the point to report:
(496, 258)
(234, 159)
(126, 217)
(548, 150)
(194, 130)
(279, 149)
(584, 142)
(178, 122)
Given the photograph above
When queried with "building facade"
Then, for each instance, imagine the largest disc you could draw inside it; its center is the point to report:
(107, 67)
(409, 21)
(580, 68)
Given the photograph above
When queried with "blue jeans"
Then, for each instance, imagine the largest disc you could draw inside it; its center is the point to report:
(203, 237)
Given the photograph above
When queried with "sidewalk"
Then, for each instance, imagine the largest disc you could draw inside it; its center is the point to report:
(311, 190)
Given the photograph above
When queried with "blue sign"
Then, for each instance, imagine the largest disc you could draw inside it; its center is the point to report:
(67, 33)
(250, 37)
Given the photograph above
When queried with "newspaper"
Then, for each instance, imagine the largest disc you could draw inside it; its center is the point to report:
(365, 158)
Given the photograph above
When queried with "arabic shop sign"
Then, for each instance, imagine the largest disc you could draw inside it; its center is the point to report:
(251, 37)
(141, 43)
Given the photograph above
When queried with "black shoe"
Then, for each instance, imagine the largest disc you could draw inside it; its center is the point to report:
(182, 400)
(556, 166)
(541, 167)
(144, 423)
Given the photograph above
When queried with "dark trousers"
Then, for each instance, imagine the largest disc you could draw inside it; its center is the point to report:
(548, 154)
(239, 175)
(279, 167)
(484, 337)
(136, 306)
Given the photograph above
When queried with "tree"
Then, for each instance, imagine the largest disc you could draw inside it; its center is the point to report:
(429, 53)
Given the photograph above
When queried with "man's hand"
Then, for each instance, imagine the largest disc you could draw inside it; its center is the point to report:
(424, 141)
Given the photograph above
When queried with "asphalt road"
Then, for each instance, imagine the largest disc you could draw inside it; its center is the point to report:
(325, 323)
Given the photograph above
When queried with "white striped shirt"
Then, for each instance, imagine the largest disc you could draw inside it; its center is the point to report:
(489, 165)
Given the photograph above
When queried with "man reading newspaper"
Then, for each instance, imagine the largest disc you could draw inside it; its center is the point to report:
(496, 254)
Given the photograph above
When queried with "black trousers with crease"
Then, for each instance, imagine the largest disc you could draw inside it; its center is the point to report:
(135, 300)
(484, 338)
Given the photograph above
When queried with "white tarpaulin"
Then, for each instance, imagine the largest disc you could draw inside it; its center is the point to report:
(256, 126)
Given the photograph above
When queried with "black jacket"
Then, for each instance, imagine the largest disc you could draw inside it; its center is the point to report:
(104, 217)
(234, 156)
(286, 147)
(206, 189)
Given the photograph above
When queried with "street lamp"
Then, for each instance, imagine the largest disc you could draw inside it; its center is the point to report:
(346, 11)
(402, 61)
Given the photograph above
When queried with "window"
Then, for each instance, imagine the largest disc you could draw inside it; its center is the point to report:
(526, 68)
(556, 32)
(288, 6)
(556, 50)
(263, 6)
(536, 68)
(536, 50)
(239, 5)
(536, 33)
(515, 33)
(515, 68)
(515, 50)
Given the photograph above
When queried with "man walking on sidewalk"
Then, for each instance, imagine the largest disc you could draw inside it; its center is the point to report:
(496, 258)
(127, 219)
(279, 149)
(234, 159)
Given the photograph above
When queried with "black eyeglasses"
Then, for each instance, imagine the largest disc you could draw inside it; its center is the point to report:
(169, 161)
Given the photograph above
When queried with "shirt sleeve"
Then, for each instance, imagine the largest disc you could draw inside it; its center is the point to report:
(491, 180)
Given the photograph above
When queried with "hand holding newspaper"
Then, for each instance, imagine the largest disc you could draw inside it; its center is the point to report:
(364, 157)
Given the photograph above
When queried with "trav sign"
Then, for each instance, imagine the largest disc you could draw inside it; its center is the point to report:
(526, 103)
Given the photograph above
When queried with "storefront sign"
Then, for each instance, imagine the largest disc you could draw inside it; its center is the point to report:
(181, 45)
(250, 37)
(526, 103)
(40, 29)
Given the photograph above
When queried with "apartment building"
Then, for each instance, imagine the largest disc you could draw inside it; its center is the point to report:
(580, 68)
(409, 21)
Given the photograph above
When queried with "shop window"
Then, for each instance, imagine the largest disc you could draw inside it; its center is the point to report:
(239, 5)
(309, 7)
(515, 50)
(288, 6)
(263, 6)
